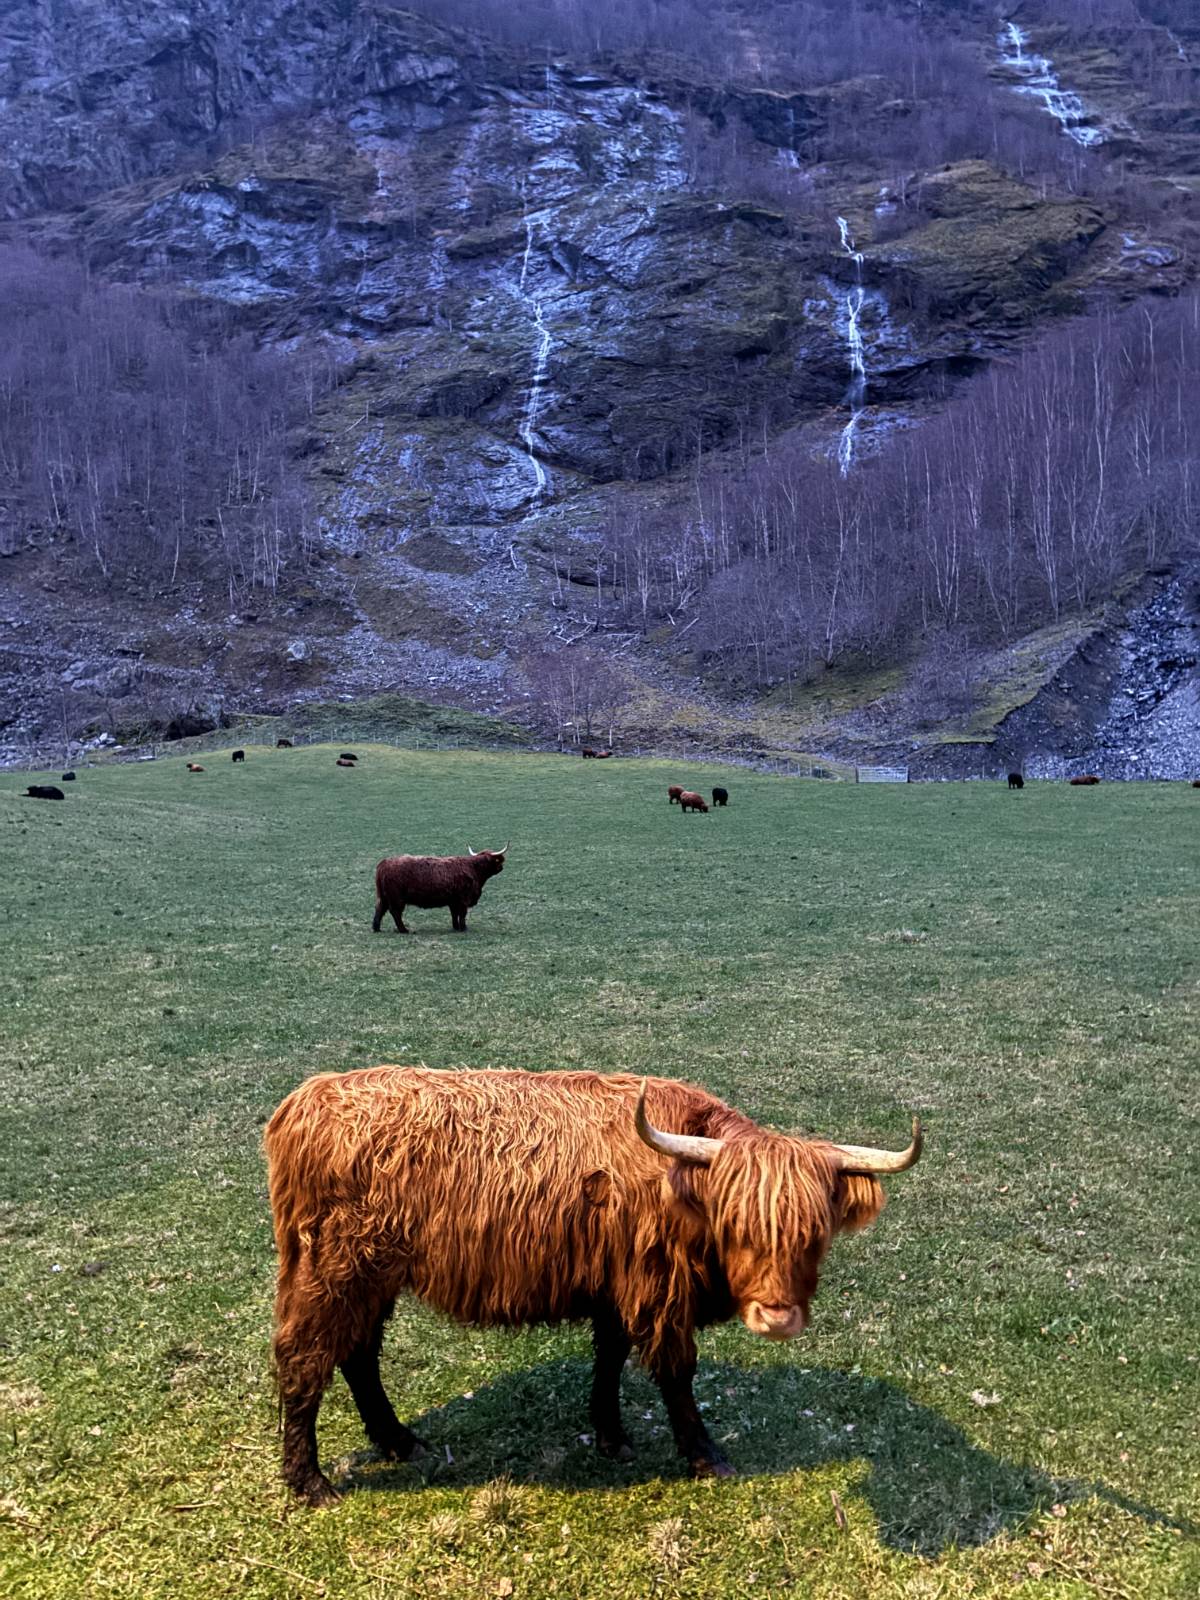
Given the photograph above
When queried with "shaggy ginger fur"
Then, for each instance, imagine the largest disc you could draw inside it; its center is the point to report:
(509, 1198)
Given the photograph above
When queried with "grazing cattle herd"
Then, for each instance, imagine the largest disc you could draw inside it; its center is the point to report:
(514, 1198)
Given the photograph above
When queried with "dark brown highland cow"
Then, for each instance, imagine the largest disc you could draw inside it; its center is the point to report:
(1084, 782)
(510, 1198)
(429, 881)
(674, 790)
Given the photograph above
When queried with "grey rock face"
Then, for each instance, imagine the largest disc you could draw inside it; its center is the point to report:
(531, 298)
(97, 95)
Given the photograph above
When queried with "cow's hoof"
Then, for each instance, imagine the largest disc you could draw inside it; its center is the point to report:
(410, 1449)
(617, 1448)
(317, 1492)
(711, 1467)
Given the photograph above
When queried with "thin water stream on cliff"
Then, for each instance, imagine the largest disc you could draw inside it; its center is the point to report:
(540, 363)
(857, 393)
(1040, 81)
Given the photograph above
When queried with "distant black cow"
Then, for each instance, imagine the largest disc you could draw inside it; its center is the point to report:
(720, 797)
(347, 755)
(238, 755)
(1015, 781)
(283, 744)
(588, 753)
(67, 777)
(44, 791)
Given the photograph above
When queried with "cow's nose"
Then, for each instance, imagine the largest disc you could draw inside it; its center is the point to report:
(775, 1322)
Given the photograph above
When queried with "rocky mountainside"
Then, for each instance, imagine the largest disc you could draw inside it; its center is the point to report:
(545, 281)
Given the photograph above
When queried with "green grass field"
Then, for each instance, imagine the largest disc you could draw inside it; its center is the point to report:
(999, 1393)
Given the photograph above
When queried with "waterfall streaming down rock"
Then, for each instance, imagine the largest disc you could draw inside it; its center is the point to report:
(535, 396)
(857, 393)
(528, 250)
(541, 359)
(1040, 80)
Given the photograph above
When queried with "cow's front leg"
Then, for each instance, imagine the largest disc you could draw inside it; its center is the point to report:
(674, 1371)
(612, 1345)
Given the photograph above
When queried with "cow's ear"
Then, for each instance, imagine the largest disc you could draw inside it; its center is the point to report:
(681, 1190)
(857, 1201)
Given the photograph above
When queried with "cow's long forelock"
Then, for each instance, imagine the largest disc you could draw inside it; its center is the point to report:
(774, 1190)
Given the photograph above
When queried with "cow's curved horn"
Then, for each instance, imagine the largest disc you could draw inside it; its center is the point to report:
(503, 852)
(862, 1158)
(681, 1146)
(471, 852)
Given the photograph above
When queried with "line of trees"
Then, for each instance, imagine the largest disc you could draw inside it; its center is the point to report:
(142, 435)
(576, 691)
(1031, 497)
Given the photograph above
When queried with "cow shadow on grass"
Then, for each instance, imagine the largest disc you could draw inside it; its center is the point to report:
(928, 1485)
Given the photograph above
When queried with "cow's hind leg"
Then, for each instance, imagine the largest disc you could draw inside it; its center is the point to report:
(612, 1346)
(380, 913)
(674, 1371)
(384, 1429)
(398, 917)
(304, 1365)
